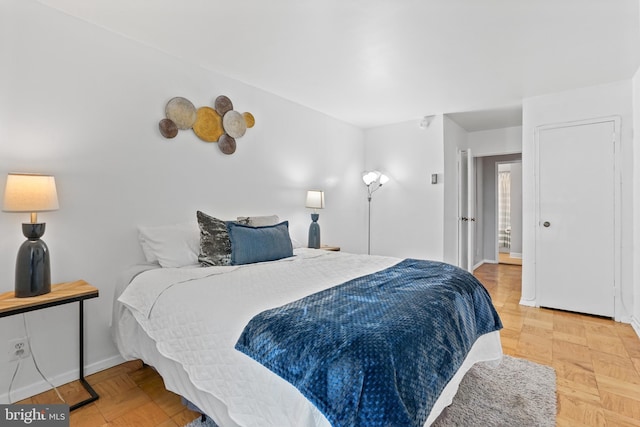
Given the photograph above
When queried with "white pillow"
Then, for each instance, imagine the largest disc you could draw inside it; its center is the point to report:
(258, 221)
(175, 245)
(296, 244)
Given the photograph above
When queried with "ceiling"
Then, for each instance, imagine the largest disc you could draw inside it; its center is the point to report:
(375, 62)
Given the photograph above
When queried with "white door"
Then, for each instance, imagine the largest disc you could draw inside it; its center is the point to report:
(575, 233)
(466, 210)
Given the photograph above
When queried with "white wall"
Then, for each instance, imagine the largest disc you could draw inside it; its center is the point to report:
(84, 104)
(614, 99)
(636, 200)
(407, 213)
(494, 142)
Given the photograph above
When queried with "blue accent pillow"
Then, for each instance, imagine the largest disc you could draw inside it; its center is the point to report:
(256, 244)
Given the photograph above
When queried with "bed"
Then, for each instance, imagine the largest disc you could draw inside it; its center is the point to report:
(193, 324)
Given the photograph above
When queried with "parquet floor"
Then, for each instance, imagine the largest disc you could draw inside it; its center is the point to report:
(597, 362)
(505, 258)
(131, 395)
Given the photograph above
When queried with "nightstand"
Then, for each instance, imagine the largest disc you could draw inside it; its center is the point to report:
(330, 248)
(62, 293)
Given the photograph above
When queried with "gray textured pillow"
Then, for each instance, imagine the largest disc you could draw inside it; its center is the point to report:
(215, 246)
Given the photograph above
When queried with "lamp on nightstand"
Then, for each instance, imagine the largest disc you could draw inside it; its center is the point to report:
(31, 193)
(315, 200)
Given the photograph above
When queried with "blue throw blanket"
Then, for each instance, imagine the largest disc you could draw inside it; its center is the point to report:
(379, 349)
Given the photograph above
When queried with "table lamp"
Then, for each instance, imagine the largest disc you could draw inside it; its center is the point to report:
(31, 193)
(315, 200)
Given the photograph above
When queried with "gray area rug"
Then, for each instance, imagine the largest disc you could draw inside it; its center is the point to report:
(517, 392)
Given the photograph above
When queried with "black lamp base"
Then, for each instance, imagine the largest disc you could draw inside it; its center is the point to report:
(314, 232)
(33, 271)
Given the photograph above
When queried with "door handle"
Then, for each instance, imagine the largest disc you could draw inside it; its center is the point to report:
(464, 218)
(546, 224)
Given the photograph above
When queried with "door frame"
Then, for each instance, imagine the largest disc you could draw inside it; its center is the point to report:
(617, 208)
(462, 195)
(470, 197)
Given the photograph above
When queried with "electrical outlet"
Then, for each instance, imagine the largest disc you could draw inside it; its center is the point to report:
(18, 349)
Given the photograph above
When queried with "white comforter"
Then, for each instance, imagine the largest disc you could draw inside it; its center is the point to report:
(195, 316)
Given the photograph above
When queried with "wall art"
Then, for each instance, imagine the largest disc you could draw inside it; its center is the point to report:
(221, 124)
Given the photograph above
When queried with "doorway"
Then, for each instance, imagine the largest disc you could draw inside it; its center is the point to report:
(509, 212)
(487, 209)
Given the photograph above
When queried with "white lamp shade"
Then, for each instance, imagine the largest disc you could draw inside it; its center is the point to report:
(373, 177)
(315, 199)
(30, 193)
(369, 177)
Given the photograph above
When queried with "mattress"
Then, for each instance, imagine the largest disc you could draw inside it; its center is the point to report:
(156, 319)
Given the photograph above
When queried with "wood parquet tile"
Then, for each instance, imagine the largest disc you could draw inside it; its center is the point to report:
(597, 363)
(131, 395)
(596, 359)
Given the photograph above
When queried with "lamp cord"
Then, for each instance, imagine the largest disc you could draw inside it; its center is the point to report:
(35, 363)
(15, 372)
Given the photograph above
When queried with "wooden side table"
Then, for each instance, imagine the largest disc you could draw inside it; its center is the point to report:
(62, 293)
(330, 248)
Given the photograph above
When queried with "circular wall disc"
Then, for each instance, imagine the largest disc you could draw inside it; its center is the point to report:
(227, 144)
(234, 124)
(249, 119)
(208, 125)
(223, 104)
(168, 128)
(181, 111)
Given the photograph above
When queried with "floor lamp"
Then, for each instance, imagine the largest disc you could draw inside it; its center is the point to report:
(373, 180)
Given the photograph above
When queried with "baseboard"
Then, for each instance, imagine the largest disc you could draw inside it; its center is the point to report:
(528, 302)
(64, 378)
(485, 261)
(478, 265)
(635, 324)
